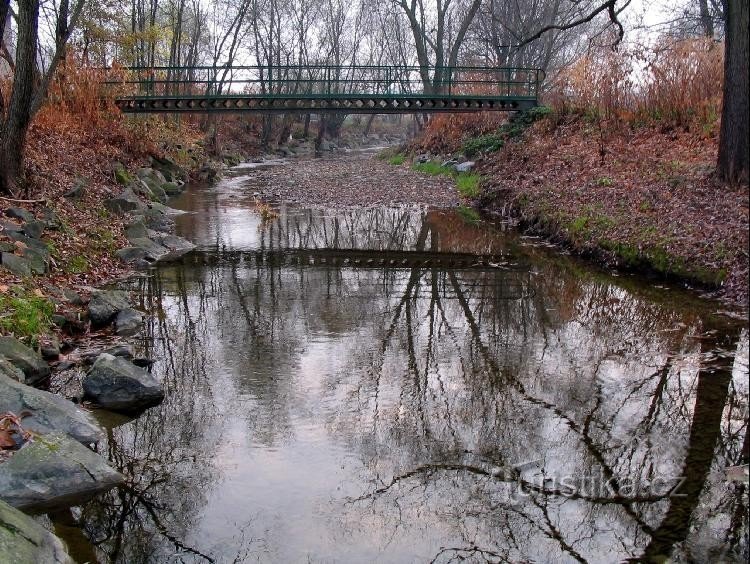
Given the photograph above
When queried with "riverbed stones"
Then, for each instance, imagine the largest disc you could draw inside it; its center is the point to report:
(54, 471)
(32, 365)
(44, 412)
(118, 385)
(128, 322)
(105, 305)
(24, 540)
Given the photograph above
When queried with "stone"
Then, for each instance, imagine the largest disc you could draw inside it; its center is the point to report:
(128, 322)
(36, 244)
(8, 226)
(33, 229)
(50, 350)
(32, 365)
(152, 251)
(127, 201)
(422, 159)
(51, 219)
(136, 230)
(156, 208)
(169, 169)
(44, 412)
(172, 188)
(72, 296)
(11, 371)
(54, 471)
(151, 174)
(159, 194)
(122, 351)
(177, 246)
(118, 385)
(464, 167)
(20, 213)
(77, 190)
(16, 264)
(105, 305)
(37, 260)
(23, 540)
(121, 174)
(132, 255)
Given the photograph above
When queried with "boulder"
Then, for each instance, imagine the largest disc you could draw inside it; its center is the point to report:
(172, 188)
(105, 305)
(10, 371)
(152, 251)
(122, 350)
(28, 242)
(169, 169)
(127, 201)
(54, 471)
(177, 246)
(8, 226)
(17, 265)
(36, 259)
(118, 385)
(136, 230)
(20, 213)
(128, 322)
(35, 370)
(464, 167)
(45, 413)
(33, 229)
(24, 540)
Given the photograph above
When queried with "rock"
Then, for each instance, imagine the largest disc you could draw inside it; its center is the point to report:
(51, 219)
(50, 350)
(78, 189)
(133, 255)
(422, 159)
(23, 540)
(37, 260)
(33, 229)
(20, 213)
(35, 370)
(169, 169)
(11, 371)
(177, 246)
(172, 188)
(44, 412)
(464, 167)
(122, 351)
(136, 230)
(127, 201)
(154, 175)
(9, 226)
(156, 208)
(449, 163)
(116, 384)
(15, 264)
(72, 296)
(54, 471)
(121, 174)
(128, 322)
(105, 305)
(152, 251)
(36, 244)
(159, 194)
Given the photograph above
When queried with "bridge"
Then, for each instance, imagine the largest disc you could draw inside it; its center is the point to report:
(354, 89)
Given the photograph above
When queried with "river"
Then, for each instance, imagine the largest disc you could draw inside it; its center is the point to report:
(407, 385)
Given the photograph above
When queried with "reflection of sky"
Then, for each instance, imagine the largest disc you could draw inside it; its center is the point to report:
(321, 397)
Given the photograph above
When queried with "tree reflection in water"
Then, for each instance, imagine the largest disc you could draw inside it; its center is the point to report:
(523, 409)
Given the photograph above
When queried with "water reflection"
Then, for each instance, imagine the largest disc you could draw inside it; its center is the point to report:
(324, 406)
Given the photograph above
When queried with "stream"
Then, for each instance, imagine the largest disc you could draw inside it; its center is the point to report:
(407, 385)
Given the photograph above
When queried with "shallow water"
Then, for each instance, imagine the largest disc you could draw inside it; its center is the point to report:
(401, 385)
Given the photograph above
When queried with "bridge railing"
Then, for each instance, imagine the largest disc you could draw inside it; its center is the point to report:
(327, 81)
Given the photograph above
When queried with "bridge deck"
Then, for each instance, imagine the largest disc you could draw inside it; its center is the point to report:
(313, 89)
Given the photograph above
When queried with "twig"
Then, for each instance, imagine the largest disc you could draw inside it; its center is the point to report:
(17, 201)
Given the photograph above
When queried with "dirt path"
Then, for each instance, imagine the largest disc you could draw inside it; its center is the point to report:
(351, 180)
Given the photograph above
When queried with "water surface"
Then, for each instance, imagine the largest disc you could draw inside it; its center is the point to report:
(401, 385)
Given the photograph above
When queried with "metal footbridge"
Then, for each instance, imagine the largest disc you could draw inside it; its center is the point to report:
(318, 89)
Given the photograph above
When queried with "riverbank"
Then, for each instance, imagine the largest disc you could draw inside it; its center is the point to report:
(643, 199)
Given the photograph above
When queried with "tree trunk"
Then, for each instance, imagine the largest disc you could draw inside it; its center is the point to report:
(19, 113)
(733, 138)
